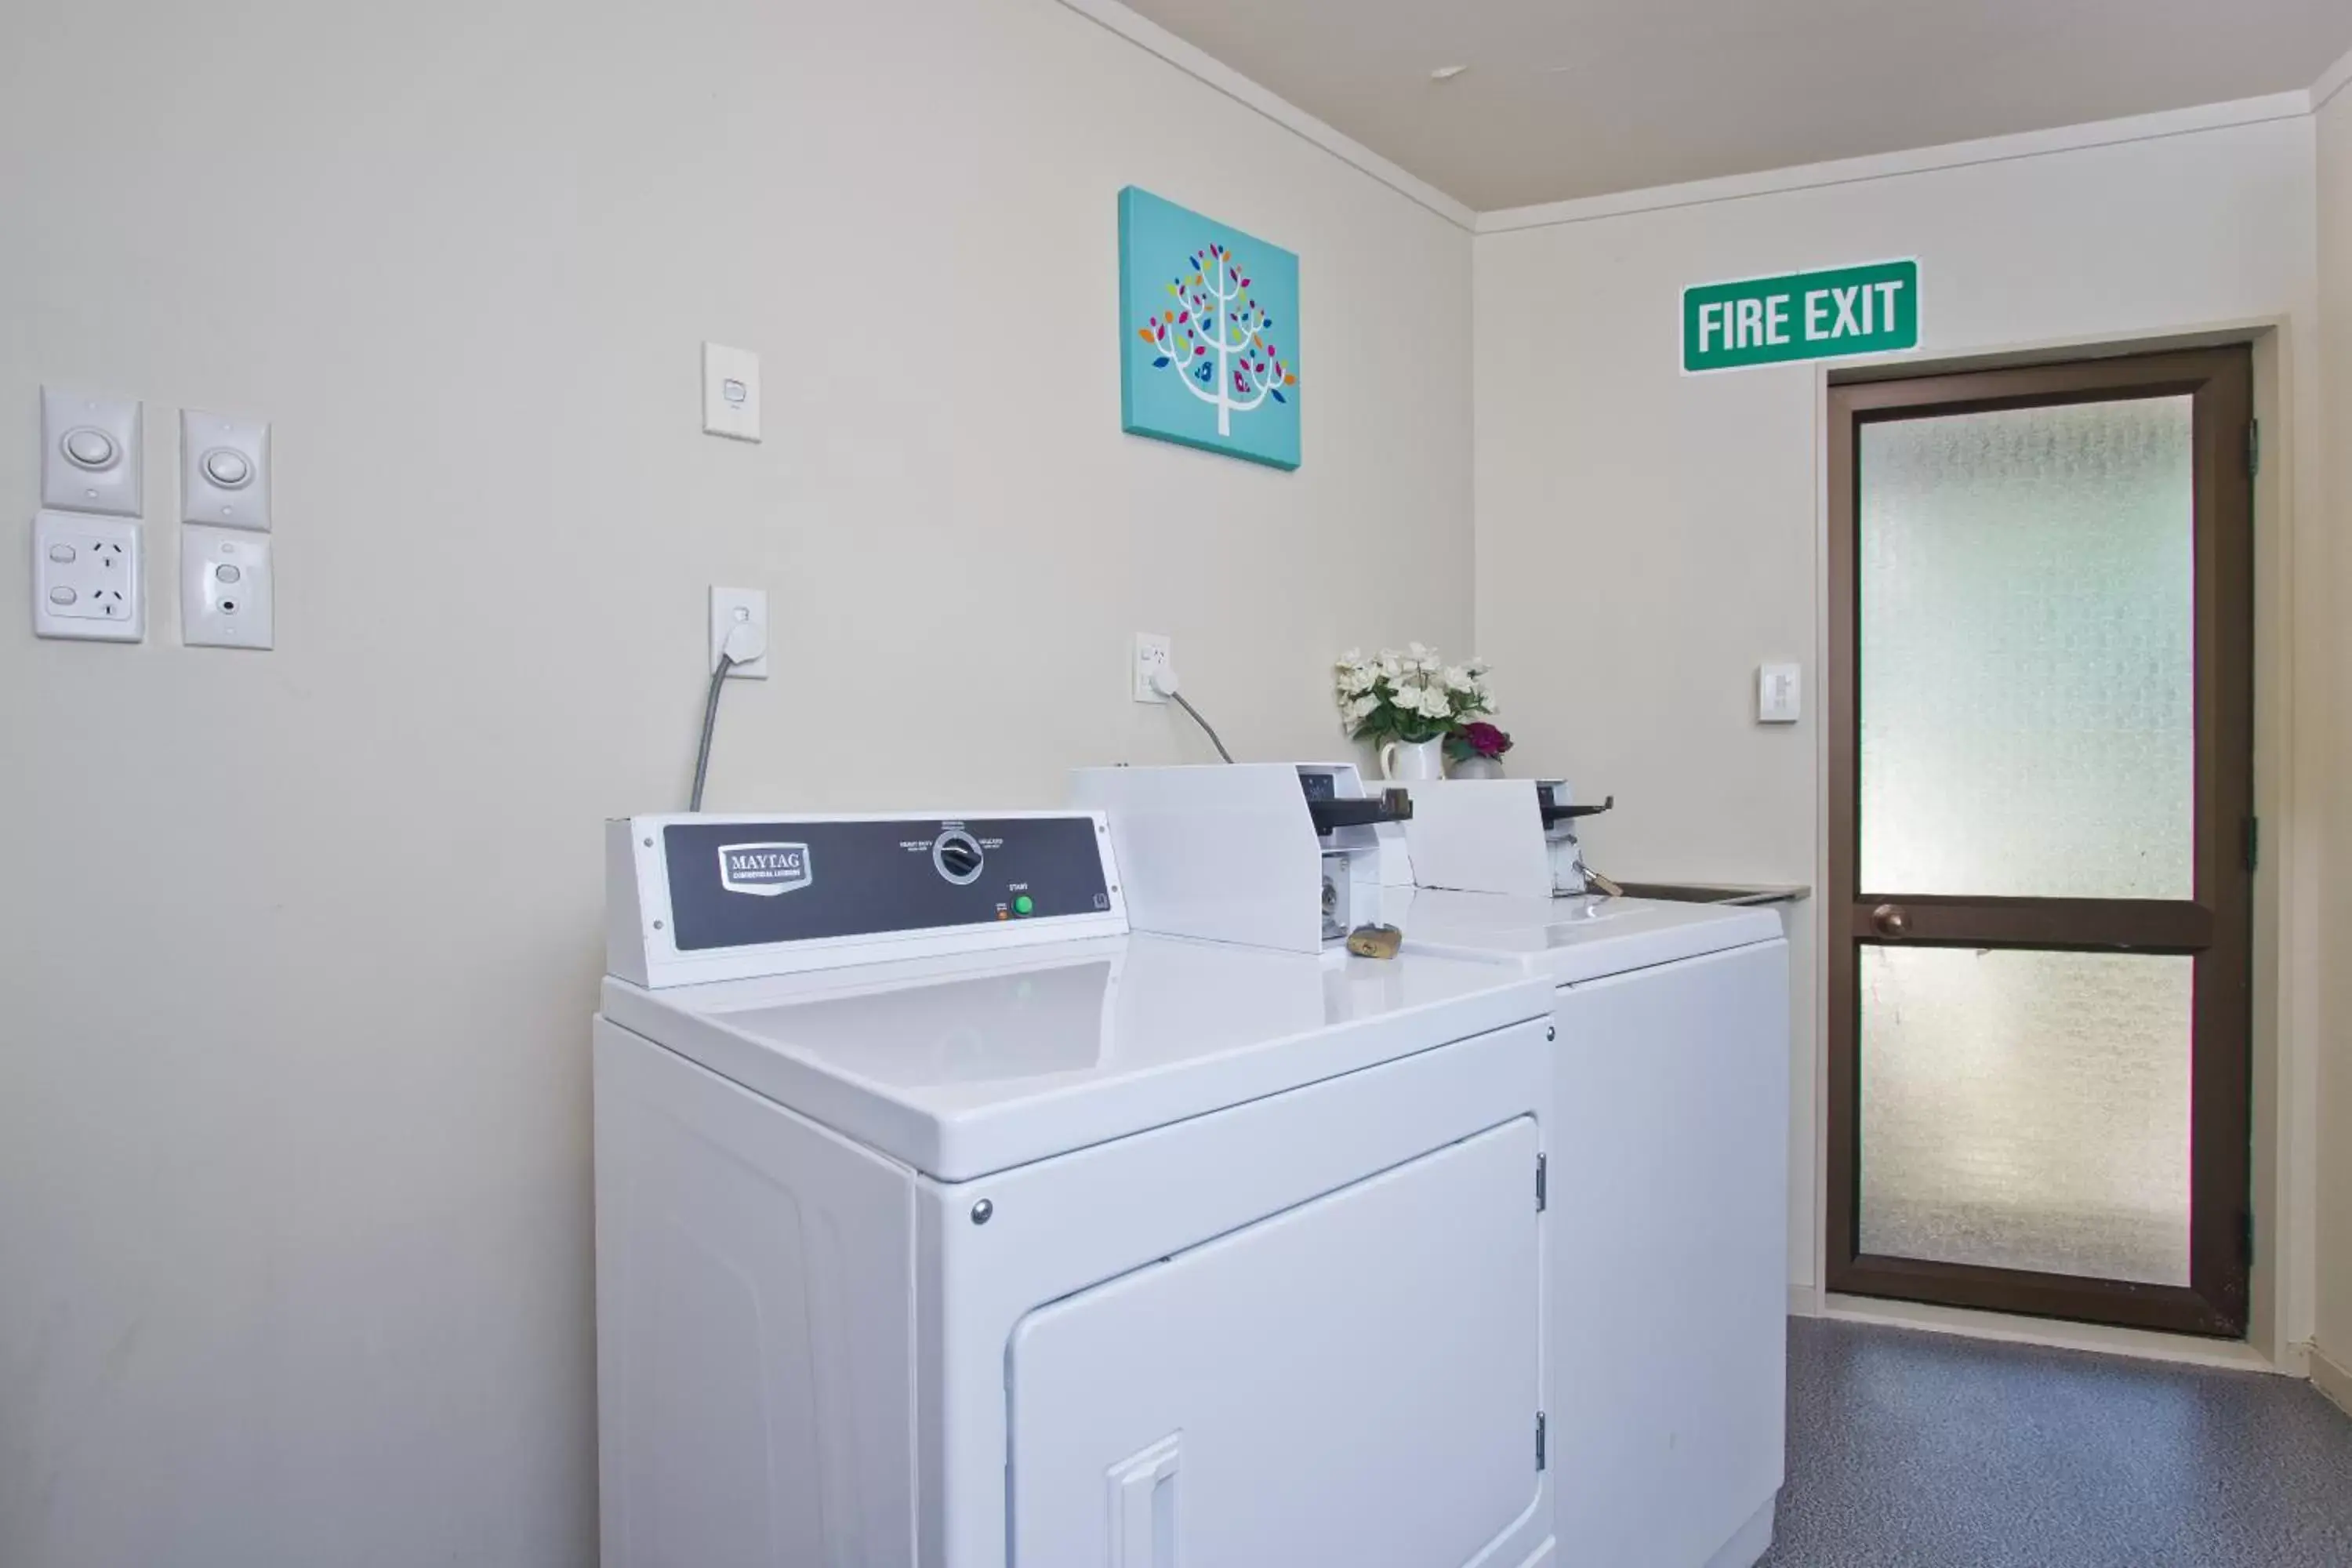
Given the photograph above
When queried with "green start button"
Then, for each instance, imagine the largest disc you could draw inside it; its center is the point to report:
(1023, 905)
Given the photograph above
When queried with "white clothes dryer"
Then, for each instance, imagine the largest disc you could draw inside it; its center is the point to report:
(942, 1223)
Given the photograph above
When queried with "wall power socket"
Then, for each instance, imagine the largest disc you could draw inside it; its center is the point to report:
(1154, 652)
(87, 578)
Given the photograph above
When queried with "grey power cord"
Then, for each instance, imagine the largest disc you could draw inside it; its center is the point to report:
(743, 645)
(1163, 681)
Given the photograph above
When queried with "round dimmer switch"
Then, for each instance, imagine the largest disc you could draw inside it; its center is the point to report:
(227, 468)
(88, 448)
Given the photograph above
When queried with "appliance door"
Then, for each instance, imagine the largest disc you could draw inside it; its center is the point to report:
(1353, 1381)
(1670, 1297)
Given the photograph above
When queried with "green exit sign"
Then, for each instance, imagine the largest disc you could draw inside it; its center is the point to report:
(1873, 309)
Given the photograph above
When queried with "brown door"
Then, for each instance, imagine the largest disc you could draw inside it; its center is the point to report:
(2040, 711)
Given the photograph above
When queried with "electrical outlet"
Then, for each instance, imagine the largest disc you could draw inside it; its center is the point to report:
(86, 573)
(730, 607)
(226, 596)
(1153, 653)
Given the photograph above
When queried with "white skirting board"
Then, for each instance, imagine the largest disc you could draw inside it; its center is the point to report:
(2187, 1349)
(2332, 1378)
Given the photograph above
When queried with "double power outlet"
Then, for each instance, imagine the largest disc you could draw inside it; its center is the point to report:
(1155, 656)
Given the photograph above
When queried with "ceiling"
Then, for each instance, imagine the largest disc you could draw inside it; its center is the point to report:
(1593, 96)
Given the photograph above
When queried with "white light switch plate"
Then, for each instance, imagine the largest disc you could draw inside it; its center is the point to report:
(1154, 652)
(730, 393)
(86, 578)
(1779, 694)
(223, 470)
(730, 607)
(227, 592)
(91, 453)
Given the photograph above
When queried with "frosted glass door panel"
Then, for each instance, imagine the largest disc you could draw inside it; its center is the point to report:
(2026, 668)
(2024, 1109)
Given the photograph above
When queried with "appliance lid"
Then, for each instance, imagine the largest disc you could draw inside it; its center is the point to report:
(967, 1065)
(1574, 939)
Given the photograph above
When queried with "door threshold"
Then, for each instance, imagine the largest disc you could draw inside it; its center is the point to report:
(2185, 1349)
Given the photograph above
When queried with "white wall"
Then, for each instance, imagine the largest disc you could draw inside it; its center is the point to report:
(2333, 1327)
(299, 950)
(1645, 539)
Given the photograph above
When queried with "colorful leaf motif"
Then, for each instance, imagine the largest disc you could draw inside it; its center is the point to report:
(1144, 332)
(1290, 381)
(1277, 396)
(1162, 364)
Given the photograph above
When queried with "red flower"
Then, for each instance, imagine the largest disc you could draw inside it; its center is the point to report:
(1484, 739)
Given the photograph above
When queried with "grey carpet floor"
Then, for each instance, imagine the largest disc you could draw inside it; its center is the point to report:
(1919, 1450)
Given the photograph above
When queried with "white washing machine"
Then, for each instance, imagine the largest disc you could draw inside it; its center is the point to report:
(1669, 1165)
(941, 1222)
(1669, 1160)
(1667, 1181)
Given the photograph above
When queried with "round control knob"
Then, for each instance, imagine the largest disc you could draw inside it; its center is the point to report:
(957, 854)
(227, 468)
(89, 448)
(227, 572)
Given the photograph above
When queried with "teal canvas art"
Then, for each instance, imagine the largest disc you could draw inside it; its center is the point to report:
(1209, 333)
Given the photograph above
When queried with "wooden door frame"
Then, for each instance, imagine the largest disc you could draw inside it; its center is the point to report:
(2215, 926)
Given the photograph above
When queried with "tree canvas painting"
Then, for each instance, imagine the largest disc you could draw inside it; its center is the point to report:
(1209, 333)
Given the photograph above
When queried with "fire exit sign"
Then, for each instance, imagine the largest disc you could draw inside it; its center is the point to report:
(1867, 309)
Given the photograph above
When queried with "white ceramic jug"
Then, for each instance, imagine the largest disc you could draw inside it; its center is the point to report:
(1402, 760)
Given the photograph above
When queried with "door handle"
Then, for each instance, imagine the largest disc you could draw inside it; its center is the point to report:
(1143, 1512)
(1890, 920)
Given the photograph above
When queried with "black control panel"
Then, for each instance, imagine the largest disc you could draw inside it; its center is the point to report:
(745, 884)
(1330, 813)
(1558, 810)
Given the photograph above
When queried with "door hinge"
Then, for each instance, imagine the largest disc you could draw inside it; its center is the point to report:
(1539, 1440)
(2246, 1237)
(1543, 1198)
(2253, 842)
(2253, 449)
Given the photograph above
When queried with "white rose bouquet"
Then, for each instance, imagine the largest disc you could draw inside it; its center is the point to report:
(1409, 696)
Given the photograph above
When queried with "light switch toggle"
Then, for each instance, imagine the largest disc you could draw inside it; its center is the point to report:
(1780, 698)
(731, 392)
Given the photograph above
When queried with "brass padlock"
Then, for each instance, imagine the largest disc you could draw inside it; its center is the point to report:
(1374, 941)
